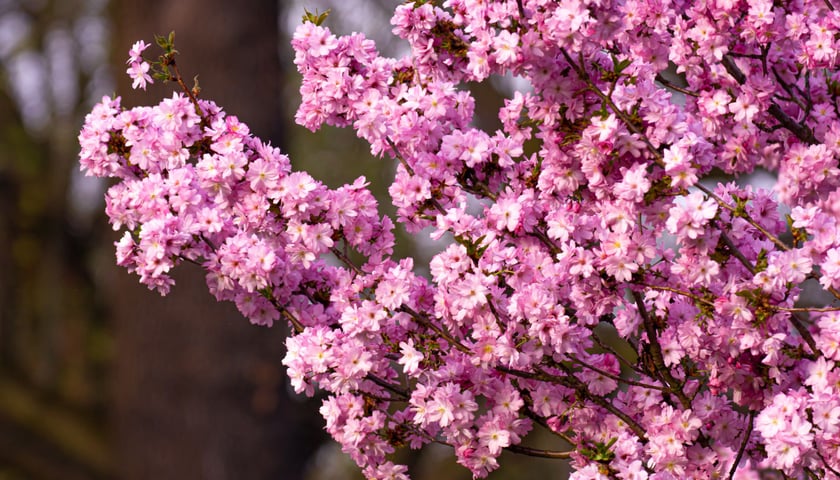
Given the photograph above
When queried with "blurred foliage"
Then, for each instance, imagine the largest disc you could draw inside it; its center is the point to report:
(54, 345)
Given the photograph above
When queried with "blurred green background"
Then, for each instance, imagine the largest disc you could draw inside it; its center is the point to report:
(100, 378)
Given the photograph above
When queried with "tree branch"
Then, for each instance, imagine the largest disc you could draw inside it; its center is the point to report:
(801, 132)
(743, 447)
(656, 353)
(538, 452)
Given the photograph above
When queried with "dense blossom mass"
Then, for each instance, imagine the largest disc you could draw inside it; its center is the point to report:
(582, 220)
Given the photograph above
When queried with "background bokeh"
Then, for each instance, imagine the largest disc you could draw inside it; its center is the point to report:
(99, 377)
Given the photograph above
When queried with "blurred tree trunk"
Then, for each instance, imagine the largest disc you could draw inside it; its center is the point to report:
(199, 391)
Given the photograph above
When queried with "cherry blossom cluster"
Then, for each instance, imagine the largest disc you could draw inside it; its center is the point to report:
(598, 286)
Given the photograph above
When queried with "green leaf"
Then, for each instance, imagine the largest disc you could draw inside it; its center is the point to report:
(316, 18)
(601, 452)
(740, 206)
(800, 235)
(761, 261)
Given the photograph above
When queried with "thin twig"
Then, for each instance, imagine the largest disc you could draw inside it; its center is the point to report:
(829, 467)
(399, 156)
(428, 324)
(410, 170)
(620, 358)
(683, 293)
(291, 318)
(541, 420)
(787, 88)
(538, 452)
(620, 113)
(615, 377)
(346, 260)
(800, 327)
(670, 86)
(574, 383)
(735, 251)
(582, 389)
(806, 309)
(776, 241)
(180, 80)
(387, 386)
(743, 447)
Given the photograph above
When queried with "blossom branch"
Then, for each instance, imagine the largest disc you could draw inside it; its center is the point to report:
(584, 76)
(401, 394)
(422, 320)
(541, 421)
(574, 383)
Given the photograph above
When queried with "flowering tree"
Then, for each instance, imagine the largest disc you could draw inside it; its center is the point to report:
(583, 215)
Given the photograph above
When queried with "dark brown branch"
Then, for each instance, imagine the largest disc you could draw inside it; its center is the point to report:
(346, 260)
(802, 132)
(522, 11)
(733, 70)
(799, 130)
